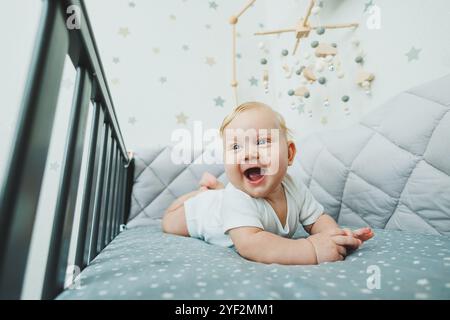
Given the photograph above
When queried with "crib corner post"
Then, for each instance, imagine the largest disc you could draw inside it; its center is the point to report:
(129, 187)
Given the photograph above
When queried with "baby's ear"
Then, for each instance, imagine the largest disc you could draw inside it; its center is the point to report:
(292, 151)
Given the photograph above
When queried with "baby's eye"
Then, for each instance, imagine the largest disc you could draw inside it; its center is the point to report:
(235, 146)
(262, 141)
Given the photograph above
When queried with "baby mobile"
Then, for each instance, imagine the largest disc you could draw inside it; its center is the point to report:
(311, 72)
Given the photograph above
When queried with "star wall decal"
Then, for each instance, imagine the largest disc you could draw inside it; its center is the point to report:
(253, 81)
(210, 61)
(367, 5)
(116, 60)
(181, 118)
(132, 120)
(185, 47)
(132, 4)
(54, 166)
(413, 54)
(219, 101)
(162, 80)
(213, 5)
(124, 32)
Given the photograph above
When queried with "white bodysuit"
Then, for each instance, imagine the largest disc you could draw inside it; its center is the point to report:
(211, 214)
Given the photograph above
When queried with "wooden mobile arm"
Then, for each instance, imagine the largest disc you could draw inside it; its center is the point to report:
(274, 32)
(233, 21)
(337, 26)
(249, 4)
(308, 13)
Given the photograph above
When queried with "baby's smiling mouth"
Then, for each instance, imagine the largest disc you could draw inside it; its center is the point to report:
(254, 174)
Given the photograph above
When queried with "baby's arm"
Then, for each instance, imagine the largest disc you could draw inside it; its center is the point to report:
(325, 223)
(261, 246)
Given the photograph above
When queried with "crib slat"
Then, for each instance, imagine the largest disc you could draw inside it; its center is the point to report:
(67, 193)
(110, 208)
(99, 189)
(25, 169)
(112, 233)
(116, 189)
(87, 209)
(129, 177)
(106, 194)
(103, 206)
(119, 210)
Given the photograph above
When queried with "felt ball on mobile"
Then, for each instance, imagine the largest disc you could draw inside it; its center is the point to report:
(340, 74)
(320, 31)
(355, 42)
(307, 56)
(284, 52)
(329, 58)
(334, 45)
(322, 80)
(300, 70)
(263, 61)
(345, 98)
(261, 45)
(307, 95)
(359, 59)
(291, 92)
(315, 44)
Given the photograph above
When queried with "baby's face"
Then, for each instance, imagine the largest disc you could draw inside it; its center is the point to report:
(256, 152)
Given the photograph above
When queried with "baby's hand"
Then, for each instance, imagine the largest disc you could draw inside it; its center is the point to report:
(332, 246)
(362, 234)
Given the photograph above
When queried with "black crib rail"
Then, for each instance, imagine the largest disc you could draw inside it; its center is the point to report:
(107, 187)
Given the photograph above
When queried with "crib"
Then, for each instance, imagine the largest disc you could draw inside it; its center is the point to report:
(110, 167)
(120, 247)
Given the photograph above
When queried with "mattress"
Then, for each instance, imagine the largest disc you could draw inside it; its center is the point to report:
(145, 263)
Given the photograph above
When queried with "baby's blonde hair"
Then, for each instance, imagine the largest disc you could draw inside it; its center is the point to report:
(251, 105)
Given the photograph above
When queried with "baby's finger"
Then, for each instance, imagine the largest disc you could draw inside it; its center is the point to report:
(363, 234)
(336, 232)
(348, 232)
(347, 241)
(342, 251)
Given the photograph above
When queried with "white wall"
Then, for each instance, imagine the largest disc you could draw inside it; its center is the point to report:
(158, 30)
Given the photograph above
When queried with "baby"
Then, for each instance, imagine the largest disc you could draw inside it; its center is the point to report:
(262, 205)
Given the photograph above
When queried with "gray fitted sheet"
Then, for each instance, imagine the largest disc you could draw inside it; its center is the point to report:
(144, 263)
